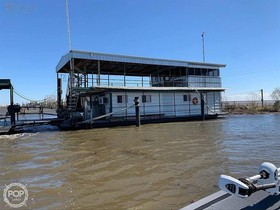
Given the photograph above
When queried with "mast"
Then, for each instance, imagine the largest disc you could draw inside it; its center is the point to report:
(203, 52)
(68, 25)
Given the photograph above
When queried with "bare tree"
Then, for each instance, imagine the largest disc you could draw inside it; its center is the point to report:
(276, 94)
(254, 98)
(50, 101)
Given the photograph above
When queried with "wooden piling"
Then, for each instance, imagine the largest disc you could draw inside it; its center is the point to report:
(137, 111)
(202, 106)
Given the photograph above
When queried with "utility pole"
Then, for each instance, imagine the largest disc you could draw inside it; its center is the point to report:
(262, 97)
(203, 51)
(71, 61)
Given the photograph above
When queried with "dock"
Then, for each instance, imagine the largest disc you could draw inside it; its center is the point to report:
(27, 117)
(21, 124)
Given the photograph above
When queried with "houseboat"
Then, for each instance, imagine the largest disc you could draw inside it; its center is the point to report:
(101, 89)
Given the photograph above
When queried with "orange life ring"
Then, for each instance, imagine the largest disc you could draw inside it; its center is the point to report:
(194, 100)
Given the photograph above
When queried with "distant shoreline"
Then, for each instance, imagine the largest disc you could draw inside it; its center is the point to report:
(250, 109)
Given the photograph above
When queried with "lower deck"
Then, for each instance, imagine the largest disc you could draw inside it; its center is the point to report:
(113, 122)
(152, 104)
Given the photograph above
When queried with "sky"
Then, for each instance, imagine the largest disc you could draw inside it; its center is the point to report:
(243, 34)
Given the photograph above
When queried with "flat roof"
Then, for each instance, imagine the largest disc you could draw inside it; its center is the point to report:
(87, 62)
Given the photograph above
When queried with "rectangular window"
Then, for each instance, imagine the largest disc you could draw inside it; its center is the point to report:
(121, 99)
(186, 97)
(146, 98)
(216, 72)
(105, 100)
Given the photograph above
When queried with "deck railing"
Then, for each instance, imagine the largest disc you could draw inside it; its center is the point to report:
(131, 81)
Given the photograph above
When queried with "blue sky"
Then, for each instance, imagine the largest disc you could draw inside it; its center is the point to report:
(243, 34)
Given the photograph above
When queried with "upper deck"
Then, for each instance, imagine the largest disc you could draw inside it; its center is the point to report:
(100, 69)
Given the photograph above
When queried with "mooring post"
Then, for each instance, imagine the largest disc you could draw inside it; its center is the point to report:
(137, 111)
(202, 106)
(11, 110)
(262, 97)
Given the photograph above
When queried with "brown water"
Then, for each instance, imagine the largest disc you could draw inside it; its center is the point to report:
(157, 166)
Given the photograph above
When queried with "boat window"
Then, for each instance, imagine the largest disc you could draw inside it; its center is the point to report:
(186, 97)
(146, 98)
(121, 99)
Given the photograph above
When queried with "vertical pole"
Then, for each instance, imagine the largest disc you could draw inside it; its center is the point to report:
(108, 79)
(58, 93)
(11, 95)
(98, 76)
(262, 97)
(174, 104)
(158, 80)
(189, 98)
(126, 97)
(92, 79)
(84, 75)
(137, 111)
(71, 84)
(203, 52)
(159, 110)
(12, 111)
(124, 77)
(202, 106)
(68, 24)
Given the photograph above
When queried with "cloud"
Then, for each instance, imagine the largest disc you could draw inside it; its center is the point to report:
(9, 6)
(17, 7)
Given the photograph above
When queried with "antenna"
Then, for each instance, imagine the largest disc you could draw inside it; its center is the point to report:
(68, 24)
(203, 52)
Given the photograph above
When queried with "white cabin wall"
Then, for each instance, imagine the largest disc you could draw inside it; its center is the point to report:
(120, 109)
(182, 107)
(161, 103)
(145, 108)
(166, 104)
(150, 108)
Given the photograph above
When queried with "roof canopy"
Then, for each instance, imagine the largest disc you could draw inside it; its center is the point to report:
(87, 62)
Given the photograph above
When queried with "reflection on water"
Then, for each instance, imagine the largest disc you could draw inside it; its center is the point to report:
(157, 166)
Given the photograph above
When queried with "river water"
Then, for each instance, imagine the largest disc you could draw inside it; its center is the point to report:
(156, 166)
